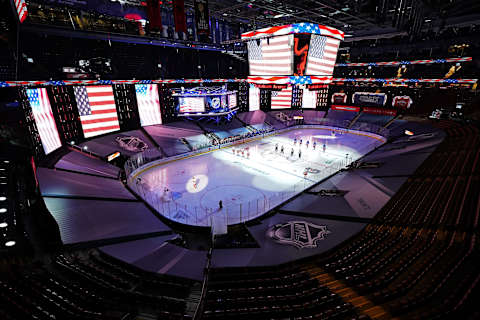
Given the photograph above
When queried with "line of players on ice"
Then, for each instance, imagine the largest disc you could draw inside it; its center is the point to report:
(300, 142)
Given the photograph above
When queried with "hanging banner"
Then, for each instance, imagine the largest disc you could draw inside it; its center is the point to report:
(201, 17)
(339, 98)
(369, 98)
(380, 111)
(402, 102)
(179, 16)
(22, 11)
(154, 15)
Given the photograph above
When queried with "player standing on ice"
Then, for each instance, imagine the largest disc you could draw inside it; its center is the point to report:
(295, 141)
(291, 153)
(299, 153)
(314, 144)
(195, 182)
(301, 141)
(281, 150)
(276, 147)
(308, 141)
(324, 147)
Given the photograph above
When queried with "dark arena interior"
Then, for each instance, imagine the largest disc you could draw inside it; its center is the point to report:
(239, 159)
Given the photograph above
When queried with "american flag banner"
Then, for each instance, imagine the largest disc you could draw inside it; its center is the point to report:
(253, 98)
(97, 109)
(289, 79)
(191, 104)
(232, 101)
(22, 11)
(309, 99)
(42, 113)
(148, 104)
(273, 56)
(322, 55)
(282, 99)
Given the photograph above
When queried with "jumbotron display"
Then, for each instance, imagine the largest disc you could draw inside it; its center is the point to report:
(300, 49)
(205, 101)
(296, 54)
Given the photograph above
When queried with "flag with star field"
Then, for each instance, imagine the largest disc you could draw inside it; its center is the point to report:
(271, 56)
(322, 55)
(97, 109)
(148, 104)
(43, 116)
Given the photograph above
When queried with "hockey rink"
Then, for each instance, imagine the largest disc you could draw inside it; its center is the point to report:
(250, 178)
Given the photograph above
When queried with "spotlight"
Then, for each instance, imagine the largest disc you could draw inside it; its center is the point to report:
(3, 198)
(3, 210)
(3, 225)
(10, 243)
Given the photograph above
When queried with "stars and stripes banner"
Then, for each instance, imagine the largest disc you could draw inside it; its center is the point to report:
(232, 101)
(191, 104)
(396, 63)
(21, 7)
(303, 27)
(42, 113)
(148, 104)
(309, 99)
(97, 109)
(290, 79)
(322, 55)
(272, 56)
(282, 99)
(284, 79)
(399, 80)
(253, 98)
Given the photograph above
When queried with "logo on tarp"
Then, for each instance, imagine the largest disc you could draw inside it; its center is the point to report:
(312, 170)
(133, 144)
(301, 234)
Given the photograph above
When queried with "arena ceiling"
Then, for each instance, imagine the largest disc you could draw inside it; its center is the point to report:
(355, 17)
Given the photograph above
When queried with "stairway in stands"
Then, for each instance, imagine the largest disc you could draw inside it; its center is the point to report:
(274, 122)
(214, 139)
(193, 299)
(355, 119)
(391, 121)
(235, 55)
(185, 142)
(246, 125)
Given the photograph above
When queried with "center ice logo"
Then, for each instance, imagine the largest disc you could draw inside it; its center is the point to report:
(301, 234)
